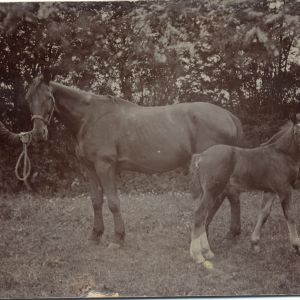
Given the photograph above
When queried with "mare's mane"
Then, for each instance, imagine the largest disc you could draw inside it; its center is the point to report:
(34, 86)
(74, 91)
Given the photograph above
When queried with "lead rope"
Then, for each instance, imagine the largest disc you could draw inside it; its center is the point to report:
(26, 163)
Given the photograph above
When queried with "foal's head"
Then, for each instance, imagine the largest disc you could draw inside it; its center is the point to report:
(295, 118)
(42, 104)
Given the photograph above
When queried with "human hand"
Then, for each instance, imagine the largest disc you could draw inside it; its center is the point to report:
(25, 137)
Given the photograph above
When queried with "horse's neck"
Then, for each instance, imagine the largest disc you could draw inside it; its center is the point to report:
(287, 145)
(70, 106)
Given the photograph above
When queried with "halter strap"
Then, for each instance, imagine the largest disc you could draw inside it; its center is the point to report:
(40, 117)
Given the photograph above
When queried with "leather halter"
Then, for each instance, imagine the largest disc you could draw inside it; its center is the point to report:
(40, 117)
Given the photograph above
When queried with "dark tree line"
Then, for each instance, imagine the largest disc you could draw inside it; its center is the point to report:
(241, 54)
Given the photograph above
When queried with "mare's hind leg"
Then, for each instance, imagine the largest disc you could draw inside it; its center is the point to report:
(200, 249)
(235, 212)
(266, 205)
(291, 217)
(106, 173)
(97, 201)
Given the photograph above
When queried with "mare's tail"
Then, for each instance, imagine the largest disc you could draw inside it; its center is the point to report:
(240, 136)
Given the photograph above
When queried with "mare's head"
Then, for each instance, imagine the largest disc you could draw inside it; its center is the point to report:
(42, 104)
(295, 118)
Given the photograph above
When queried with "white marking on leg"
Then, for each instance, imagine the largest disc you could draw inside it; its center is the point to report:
(266, 206)
(196, 250)
(293, 234)
(204, 241)
(255, 236)
(205, 246)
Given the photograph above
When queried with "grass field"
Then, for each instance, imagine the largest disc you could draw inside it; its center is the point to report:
(44, 249)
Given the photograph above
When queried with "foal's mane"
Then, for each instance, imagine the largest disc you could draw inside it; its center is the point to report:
(281, 135)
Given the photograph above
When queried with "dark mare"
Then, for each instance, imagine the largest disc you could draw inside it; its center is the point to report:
(272, 168)
(113, 134)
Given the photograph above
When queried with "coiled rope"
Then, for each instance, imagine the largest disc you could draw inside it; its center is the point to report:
(26, 161)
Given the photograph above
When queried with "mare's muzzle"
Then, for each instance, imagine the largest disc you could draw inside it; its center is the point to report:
(40, 130)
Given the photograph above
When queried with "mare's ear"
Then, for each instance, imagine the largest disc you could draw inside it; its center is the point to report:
(48, 74)
(293, 117)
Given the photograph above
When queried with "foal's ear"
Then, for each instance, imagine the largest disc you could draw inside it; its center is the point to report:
(293, 117)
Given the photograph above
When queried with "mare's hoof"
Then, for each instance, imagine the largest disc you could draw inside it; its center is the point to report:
(95, 237)
(231, 235)
(94, 242)
(114, 246)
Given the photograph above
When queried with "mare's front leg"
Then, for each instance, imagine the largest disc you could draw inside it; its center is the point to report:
(97, 201)
(266, 205)
(106, 173)
(200, 249)
(290, 216)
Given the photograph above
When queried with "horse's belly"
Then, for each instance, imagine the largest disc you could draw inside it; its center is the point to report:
(252, 179)
(242, 185)
(152, 163)
(153, 149)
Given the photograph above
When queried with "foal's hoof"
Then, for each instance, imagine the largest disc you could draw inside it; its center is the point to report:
(208, 265)
(256, 248)
(114, 246)
(198, 258)
(209, 254)
(296, 249)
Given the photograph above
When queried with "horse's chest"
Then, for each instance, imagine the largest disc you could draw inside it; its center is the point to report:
(293, 175)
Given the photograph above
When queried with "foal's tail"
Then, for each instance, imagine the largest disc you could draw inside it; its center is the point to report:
(240, 136)
(195, 183)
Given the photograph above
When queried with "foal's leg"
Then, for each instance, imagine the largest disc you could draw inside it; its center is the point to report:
(216, 205)
(235, 212)
(106, 174)
(97, 201)
(235, 225)
(199, 243)
(290, 216)
(266, 205)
